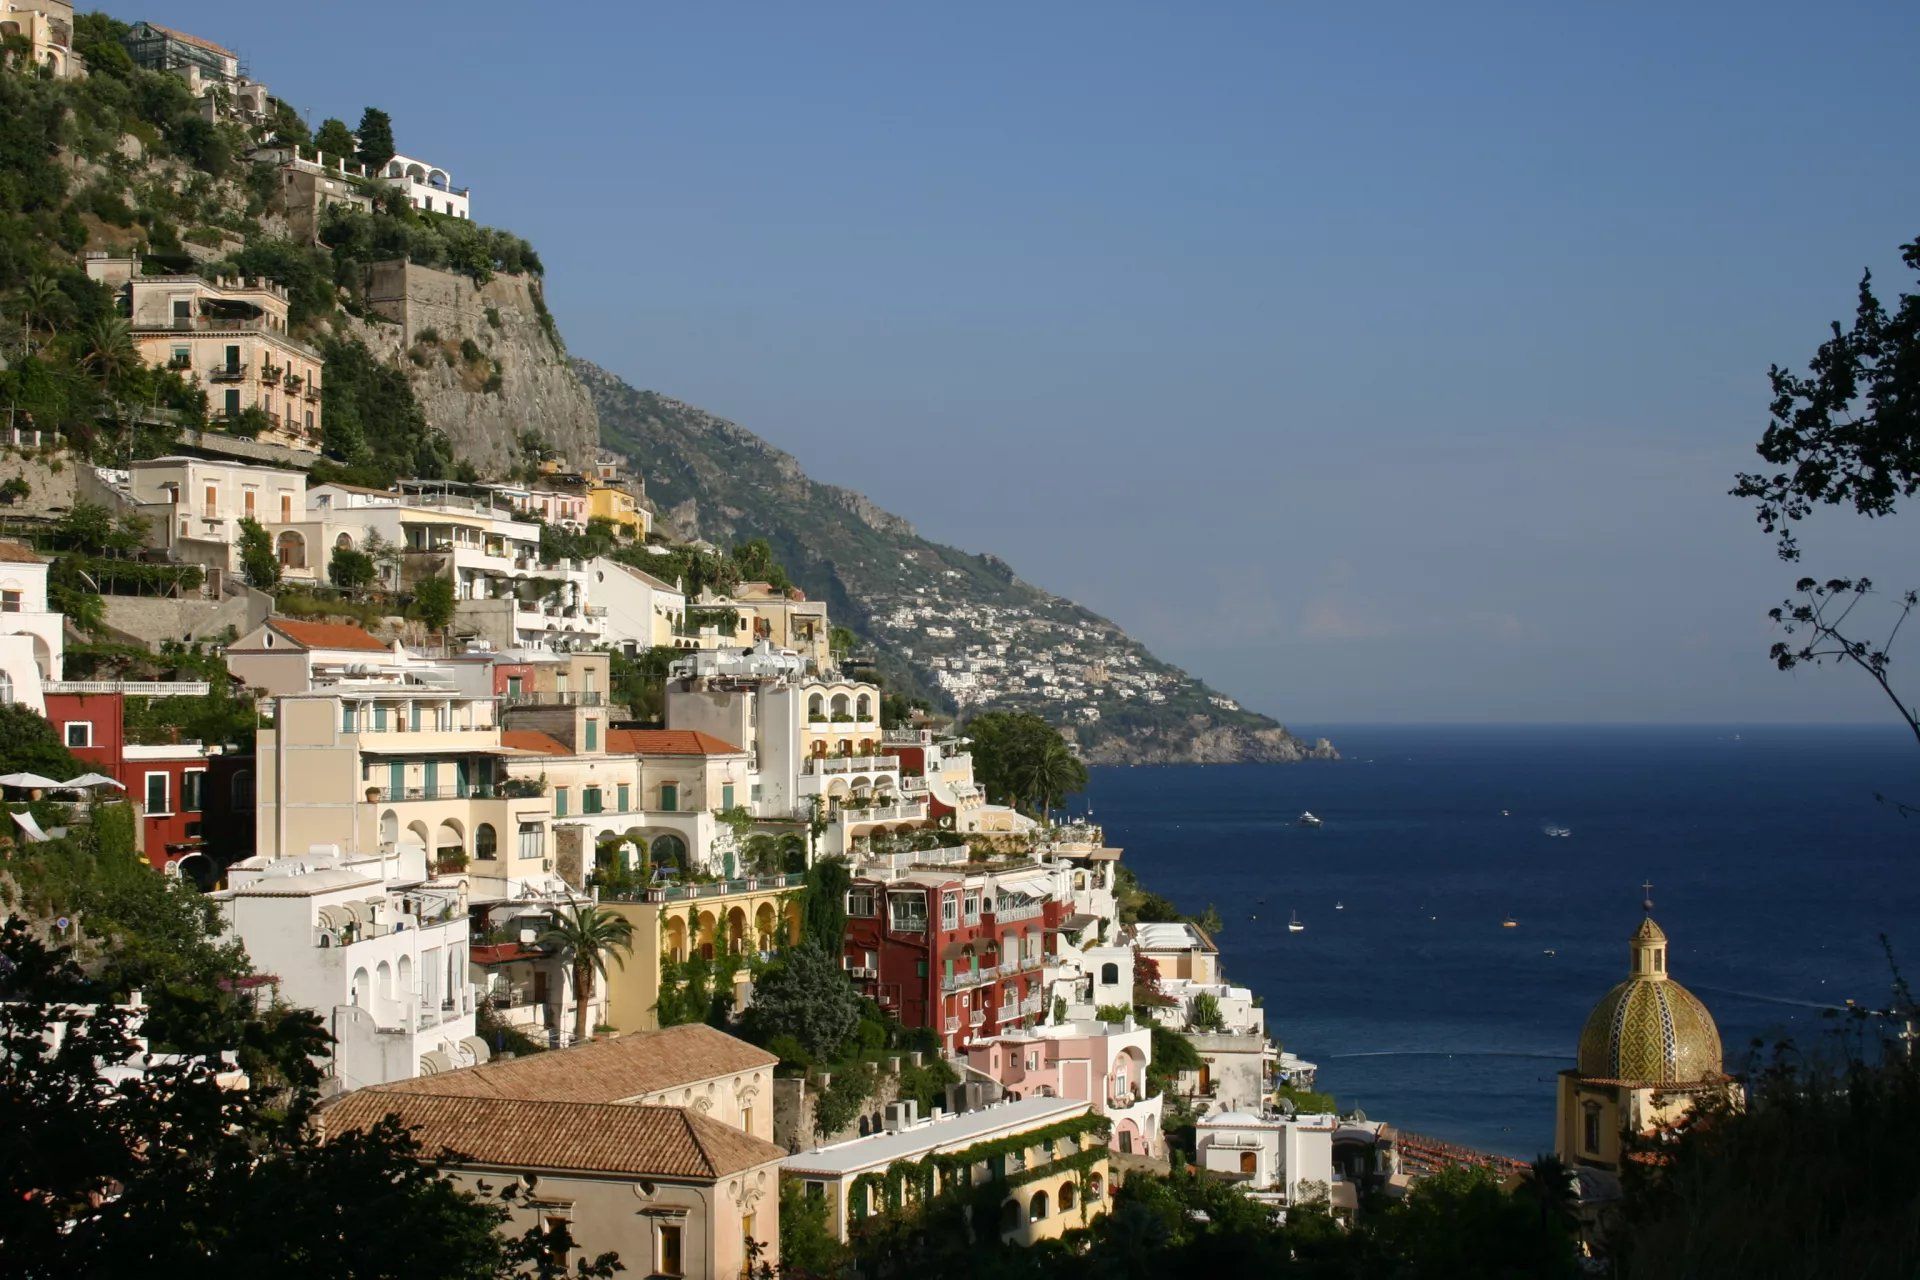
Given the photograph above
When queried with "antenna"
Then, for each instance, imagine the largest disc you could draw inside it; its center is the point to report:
(1646, 902)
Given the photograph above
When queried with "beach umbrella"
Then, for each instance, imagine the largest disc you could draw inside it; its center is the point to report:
(27, 780)
(87, 781)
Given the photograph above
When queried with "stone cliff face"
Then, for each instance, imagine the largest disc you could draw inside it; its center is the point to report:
(1201, 742)
(485, 360)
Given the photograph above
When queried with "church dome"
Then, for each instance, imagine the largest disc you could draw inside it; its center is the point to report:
(1650, 1029)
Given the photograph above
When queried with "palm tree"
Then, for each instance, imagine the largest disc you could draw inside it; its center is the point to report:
(40, 302)
(109, 342)
(1053, 775)
(585, 939)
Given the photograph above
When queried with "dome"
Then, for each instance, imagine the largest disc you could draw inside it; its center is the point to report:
(1650, 1029)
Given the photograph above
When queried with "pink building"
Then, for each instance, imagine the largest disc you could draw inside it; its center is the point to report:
(1103, 1063)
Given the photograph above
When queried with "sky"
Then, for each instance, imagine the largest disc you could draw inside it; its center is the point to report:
(1375, 363)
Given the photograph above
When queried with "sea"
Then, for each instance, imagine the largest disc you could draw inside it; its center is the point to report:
(1775, 870)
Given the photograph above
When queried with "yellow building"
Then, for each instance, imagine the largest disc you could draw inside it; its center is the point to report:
(671, 924)
(610, 502)
(1649, 1054)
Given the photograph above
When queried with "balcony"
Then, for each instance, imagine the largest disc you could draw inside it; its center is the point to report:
(227, 373)
(828, 766)
(908, 811)
(471, 791)
(270, 374)
(1030, 1005)
(1007, 914)
(715, 889)
(977, 1017)
(953, 1025)
(579, 698)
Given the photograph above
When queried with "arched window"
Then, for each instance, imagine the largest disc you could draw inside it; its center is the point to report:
(1109, 974)
(1038, 1209)
(1066, 1195)
(670, 850)
(1249, 1162)
(6, 689)
(863, 708)
(241, 792)
(357, 993)
(292, 550)
(344, 542)
(816, 708)
(486, 842)
(1094, 1187)
(1010, 1215)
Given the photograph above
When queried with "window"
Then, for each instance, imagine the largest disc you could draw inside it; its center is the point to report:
(755, 793)
(907, 912)
(159, 792)
(6, 689)
(816, 1190)
(513, 686)
(860, 903)
(920, 968)
(346, 717)
(485, 842)
(590, 801)
(286, 505)
(949, 910)
(559, 802)
(1038, 1210)
(212, 504)
(533, 840)
(746, 1235)
(669, 797)
(593, 733)
(669, 1261)
(79, 733)
(249, 495)
(379, 717)
(973, 906)
(192, 789)
(726, 796)
(1109, 974)
(182, 358)
(1592, 1134)
(1249, 1162)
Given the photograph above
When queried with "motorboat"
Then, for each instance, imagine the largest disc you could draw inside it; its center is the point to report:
(1294, 925)
(1558, 833)
(1307, 819)
(1339, 906)
(1509, 923)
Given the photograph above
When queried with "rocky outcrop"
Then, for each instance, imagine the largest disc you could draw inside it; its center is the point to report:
(1209, 743)
(485, 360)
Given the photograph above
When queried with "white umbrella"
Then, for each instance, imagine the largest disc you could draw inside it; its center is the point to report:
(27, 780)
(87, 780)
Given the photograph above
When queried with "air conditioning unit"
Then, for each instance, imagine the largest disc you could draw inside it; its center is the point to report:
(546, 864)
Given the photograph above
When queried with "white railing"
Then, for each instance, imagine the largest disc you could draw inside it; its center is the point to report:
(852, 764)
(142, 688)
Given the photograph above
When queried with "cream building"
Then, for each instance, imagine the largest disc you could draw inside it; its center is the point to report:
(291, 655)
(194, 506)
(1045, 1195)
(642, 611)
(229, 336)
(1650, 1052)
(32, 637)
(672, 924)
(47, 28)
(388, 768)
(655, 1146)
(1281, 1160)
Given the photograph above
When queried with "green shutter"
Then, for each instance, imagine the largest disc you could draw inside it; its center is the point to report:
(726, 796)
(624, 797)
(559, 802)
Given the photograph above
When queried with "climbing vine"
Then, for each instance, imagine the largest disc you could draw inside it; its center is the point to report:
(919, 1176)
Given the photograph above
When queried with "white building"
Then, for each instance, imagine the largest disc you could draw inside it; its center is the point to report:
(373, 946)
(642, 611)
(428, 187)
(1279, 1160)
(32, 639)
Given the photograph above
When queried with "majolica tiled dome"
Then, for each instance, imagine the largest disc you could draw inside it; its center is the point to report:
(1650, 1029)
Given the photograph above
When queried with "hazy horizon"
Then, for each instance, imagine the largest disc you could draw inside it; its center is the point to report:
(1385, 367)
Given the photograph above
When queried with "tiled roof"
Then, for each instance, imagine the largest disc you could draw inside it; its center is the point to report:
(534, 740)
(615, 1070)
(19, 553)
(502, 952)
(327, 635)
(667, 742)
(198, 41)
(520, 1133)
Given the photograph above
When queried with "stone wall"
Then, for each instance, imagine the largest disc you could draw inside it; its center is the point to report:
(536, 390)
(794, 1100)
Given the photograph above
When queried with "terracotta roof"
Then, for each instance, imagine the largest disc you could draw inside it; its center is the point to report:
(19, 553)
(501, 952)
(198, 41)
(519, 1133)
(667, 742)
(620, 1069)
(327, 635)
(534, 740)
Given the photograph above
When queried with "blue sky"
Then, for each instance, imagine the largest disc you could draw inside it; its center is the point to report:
(1376, 365)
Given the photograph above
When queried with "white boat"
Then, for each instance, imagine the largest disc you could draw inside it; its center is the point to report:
(1306, 819)
(1294, 925)
(1339, 906)
(1559, 833)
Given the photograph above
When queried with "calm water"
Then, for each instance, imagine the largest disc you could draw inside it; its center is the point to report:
(1774, 871)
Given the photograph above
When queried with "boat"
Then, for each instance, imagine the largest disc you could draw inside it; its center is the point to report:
(1294, 925)
(1509, 923)
(1506, 813)
(1549, 952)
(1558, 833)
(1339, 906)
(1306, 819)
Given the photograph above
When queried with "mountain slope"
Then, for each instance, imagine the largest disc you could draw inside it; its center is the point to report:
(961, 627)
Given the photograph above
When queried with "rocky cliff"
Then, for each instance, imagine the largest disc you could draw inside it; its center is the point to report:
(963, 629)
(485, 360)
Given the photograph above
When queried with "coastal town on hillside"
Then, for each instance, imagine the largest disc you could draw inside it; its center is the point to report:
(464, 818)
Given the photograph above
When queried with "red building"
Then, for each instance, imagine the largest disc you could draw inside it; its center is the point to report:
(164, 781)
(962, 952)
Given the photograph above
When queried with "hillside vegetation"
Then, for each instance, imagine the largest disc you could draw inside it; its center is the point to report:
(921, 604)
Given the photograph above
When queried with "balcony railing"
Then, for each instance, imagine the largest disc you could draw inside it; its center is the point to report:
(1009, 913)
(715, 889)
(576, 698)
(828, 765)
(953, 1025)
(227, 373)
(883, 812)
(977, 1017)
(471, 791)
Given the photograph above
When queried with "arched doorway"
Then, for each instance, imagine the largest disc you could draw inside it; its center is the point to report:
(292, 550)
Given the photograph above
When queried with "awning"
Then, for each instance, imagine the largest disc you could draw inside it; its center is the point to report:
(478, 1048)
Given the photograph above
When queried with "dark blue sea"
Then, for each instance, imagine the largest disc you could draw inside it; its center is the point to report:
(1775, 873)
